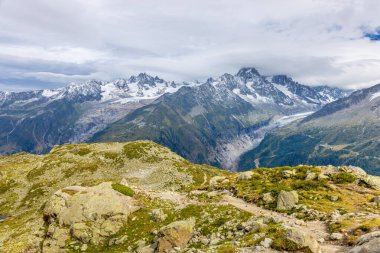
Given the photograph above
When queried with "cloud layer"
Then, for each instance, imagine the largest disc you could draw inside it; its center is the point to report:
(50, 43)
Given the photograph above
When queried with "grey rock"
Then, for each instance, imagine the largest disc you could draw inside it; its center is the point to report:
(336, 236)
(266, 243)
(268, 198)
(287, 200)
(244, 176)
(288, 173)
(303, 239)
(311, 176)
(333, 198)
(372, 181)
(158, 215)
(176, 234)
(372, 246)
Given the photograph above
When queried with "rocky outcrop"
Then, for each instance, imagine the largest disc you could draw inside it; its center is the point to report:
(175, 235)
(368, 243)
(214, 181)
(372, 181)
(287, 200)
(302, 240)
(288, 173)
(85, 214)
(244, 176)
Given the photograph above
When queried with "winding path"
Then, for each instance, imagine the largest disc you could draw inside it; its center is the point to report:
(316, 228)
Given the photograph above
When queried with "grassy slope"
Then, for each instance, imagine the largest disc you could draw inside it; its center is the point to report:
(27, 181)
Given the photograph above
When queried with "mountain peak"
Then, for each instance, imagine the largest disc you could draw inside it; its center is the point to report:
(248, 73)
(282, 79)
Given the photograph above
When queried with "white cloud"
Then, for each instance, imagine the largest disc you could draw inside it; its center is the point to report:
(67, 40)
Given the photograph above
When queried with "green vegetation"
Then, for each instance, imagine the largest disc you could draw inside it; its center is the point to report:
(123, 189)
(143, 150)
(343, 178)
(181, 190)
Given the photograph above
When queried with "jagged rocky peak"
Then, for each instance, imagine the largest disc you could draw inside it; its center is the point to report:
(282, 79)
(248, 73)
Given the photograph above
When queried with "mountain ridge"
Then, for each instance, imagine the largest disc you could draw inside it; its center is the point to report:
(343, 132)
(37, 120)
(138, 196)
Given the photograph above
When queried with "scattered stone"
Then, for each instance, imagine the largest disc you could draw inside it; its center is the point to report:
(84, 247)
(333, 198)
(376, 200)
(287, 200)
(302, 240)
(266, 243)
(158, 215)
(322, 176)
(311, 176)
(176, 234)
(244, 176)
(124, 182)
(214, 181)
(336, 236)
(288, 173)
(146, 248)
(268, 198)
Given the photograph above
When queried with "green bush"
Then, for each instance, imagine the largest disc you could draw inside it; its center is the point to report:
(123, 189)
(309, 184)
(343, 178)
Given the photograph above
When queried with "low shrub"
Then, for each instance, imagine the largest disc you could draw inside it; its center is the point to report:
(123, 189)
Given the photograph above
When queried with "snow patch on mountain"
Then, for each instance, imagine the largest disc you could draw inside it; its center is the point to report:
(374, 96)
(229, 151)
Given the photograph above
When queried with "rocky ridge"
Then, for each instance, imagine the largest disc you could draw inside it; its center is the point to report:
(141, 197)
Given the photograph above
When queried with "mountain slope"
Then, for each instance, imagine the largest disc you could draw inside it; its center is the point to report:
(346, 131)
(217, 121)
(220, 119)
(140, 197)
(37, 120)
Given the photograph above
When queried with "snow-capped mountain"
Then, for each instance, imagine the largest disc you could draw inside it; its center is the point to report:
(135, 88)
(217, 121)
(237, 109)
(280, 90)
(345, 131)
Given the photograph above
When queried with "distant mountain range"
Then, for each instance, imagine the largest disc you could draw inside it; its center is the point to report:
(210, 122)
(217, 121)
(346, 131)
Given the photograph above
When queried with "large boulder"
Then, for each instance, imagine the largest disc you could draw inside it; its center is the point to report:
(287, 200)
(175, 235)
(372, 181)
(246, 175)
(288, 173)
(368, 243)
(302, 240)
(86, 214)
(215, 181)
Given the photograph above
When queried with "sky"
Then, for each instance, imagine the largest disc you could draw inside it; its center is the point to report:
(48, 44)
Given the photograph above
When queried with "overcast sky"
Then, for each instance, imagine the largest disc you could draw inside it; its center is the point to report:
(49, 43)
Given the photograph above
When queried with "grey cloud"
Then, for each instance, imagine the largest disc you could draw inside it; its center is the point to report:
(315, 41)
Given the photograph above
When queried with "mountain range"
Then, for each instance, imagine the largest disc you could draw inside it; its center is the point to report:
(346, 131)
(211, 122)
